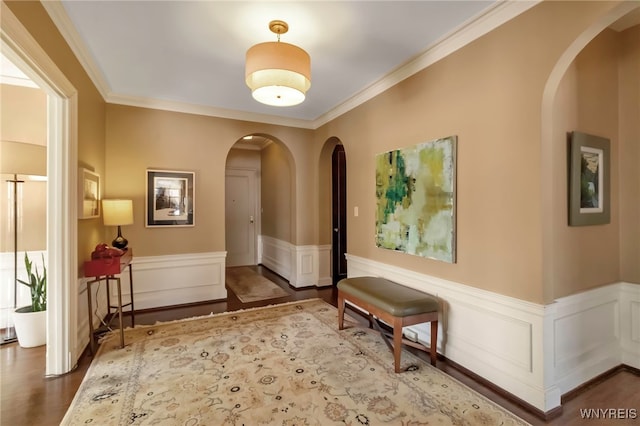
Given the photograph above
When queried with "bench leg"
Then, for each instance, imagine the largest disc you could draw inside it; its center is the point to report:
(340, 311)
(433, 350)
(397, 343)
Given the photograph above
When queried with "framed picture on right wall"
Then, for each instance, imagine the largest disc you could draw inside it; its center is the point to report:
(589, 195)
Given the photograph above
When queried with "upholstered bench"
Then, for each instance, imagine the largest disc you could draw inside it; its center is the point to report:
(395, 304)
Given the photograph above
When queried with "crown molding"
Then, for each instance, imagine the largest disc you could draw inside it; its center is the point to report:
(464, 34)
(472, 29)
(207, 110)
(61, 20)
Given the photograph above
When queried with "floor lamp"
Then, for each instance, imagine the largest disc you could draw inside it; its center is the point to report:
(18, 159)
(10, 332)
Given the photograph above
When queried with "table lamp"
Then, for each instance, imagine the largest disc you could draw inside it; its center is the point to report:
(118, 213)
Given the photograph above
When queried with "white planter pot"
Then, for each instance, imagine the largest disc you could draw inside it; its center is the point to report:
(31, 328)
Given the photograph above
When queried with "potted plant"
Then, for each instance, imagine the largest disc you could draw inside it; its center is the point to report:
(31, 321)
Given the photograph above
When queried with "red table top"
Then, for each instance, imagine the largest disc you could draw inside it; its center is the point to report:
(107, 266)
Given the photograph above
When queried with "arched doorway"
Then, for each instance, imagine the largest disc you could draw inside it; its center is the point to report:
(338, 213)
(554, 150)
(259, 209)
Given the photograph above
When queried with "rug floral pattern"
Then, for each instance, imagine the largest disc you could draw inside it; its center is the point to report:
(282, 365)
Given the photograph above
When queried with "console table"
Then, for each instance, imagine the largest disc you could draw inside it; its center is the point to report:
(109, 269)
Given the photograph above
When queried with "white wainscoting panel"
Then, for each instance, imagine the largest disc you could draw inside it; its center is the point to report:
(586, 336)
(303, 266)
(176, 279)
(99, 305)
(276, 255)
(324, 266)
(307, 260)
(630, 324)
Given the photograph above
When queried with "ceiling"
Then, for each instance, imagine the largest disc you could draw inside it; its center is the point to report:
(189, 55)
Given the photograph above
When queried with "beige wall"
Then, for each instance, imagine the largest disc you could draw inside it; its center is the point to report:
(243, 159)
(23, 114)
(588, 256)
(629, 154)
(23, 132)
(139, 139)
(91, 114)
(276, 179)
(488, 93)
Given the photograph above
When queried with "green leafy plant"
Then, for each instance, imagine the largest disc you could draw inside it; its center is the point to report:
(37, 284)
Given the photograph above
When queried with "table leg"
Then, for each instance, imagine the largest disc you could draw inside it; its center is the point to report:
(120, 313)
(89, 305)
(131, 295)
(106, 278)
(340, 311)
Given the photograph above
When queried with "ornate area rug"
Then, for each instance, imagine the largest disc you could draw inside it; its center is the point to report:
(250, 286)
(280, 365)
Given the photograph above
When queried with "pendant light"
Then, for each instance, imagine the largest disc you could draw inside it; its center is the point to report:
(278, 74)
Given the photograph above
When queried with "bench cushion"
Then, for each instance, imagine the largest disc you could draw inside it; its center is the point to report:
(396, 299)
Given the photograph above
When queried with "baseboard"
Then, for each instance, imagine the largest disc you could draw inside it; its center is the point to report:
(543, 415)
(598, 379)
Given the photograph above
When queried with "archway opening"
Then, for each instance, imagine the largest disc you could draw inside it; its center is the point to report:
(333, 205)
(259, 203)
(561, 113)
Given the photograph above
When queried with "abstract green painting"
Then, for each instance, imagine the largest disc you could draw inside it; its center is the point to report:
(416, 194)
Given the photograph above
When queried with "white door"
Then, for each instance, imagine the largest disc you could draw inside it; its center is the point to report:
(240, 217)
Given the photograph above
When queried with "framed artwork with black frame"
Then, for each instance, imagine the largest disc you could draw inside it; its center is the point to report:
(88, 194)
(170, 199)
(589, 195)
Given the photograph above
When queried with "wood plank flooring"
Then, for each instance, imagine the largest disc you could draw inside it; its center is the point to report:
(28, 398)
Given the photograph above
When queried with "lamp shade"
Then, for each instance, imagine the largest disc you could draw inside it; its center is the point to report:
(117, 212)
(277, 73)
(23, 158)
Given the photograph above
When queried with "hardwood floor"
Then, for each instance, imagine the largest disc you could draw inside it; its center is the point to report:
(28, 398)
